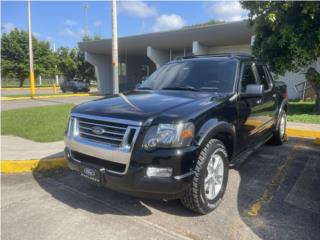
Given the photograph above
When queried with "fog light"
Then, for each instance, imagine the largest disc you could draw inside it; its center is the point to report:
(159, 172)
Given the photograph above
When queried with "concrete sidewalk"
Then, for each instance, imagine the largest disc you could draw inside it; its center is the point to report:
(303, 126)
(16, 148)
(22, 155)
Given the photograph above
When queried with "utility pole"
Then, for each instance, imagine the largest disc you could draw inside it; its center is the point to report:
(115, 49)
(57, 77)
(31, 73)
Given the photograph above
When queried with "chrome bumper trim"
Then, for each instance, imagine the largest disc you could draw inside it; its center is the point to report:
(118, 154)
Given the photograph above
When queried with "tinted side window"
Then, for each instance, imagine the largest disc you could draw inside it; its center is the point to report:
(263, 77)
(247, 77)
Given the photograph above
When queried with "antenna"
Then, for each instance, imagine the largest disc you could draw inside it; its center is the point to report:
(86, 8)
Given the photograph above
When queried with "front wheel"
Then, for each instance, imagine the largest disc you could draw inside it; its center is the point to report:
(279, 135)
(210, 179)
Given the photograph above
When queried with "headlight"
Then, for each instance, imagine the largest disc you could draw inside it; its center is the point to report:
(72, 127)
(169, 136)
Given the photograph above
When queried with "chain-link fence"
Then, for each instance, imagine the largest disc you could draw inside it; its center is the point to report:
(40, 82)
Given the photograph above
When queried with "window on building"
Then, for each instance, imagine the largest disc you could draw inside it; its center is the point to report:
(123, 69)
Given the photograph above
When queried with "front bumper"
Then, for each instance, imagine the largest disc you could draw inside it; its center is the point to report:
(135, 181)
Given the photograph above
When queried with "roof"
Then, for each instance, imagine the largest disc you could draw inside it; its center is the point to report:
(224, 34)
(222, 55)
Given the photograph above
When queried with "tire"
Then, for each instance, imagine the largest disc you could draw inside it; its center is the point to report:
(197, 197)
(279, 135)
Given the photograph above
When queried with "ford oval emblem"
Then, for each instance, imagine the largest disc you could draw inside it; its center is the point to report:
(89, 172)
(98, 130)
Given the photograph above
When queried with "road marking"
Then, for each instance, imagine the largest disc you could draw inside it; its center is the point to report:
(317, 141)
(20, 166)
(267, 195)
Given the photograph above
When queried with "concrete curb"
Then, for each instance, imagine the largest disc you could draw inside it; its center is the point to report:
(21, 166)
(49, 96)
(303, 133)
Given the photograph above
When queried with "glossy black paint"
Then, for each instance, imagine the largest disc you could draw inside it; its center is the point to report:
(239, 122)
(136, 183)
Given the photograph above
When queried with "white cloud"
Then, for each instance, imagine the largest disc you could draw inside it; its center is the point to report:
(36, 34)
(70, 22)
(137, 9)
(83, 32)
(168, 22)
(49, 39)
(68, 32)
(226, 11)
(7, 27)
(79, 34)
(97, 23)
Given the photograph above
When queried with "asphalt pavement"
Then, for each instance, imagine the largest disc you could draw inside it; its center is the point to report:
(26, 103)
(7, 92)
(282, 180)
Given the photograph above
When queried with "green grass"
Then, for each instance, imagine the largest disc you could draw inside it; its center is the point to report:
(299, 111)
(47, 124)
(40, 124)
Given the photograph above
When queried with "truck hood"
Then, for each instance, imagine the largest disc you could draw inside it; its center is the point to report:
(161, 105)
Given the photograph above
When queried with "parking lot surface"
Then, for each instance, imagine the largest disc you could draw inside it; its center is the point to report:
(273, 195)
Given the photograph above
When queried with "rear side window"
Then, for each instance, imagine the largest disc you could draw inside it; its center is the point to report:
(247, 77)
(263, 77)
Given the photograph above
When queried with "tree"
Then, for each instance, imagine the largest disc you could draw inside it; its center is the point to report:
(67, 62)
(85, 69)
(208, 23)
(72, 65)
(287, 37)
(15, 56)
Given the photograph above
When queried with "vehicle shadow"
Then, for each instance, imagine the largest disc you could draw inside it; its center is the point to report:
(278, 218)
(278, 196)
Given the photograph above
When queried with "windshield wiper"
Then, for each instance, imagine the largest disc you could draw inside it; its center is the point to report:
(187, 88)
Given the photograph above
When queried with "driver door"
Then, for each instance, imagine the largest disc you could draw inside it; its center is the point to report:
(250, 113)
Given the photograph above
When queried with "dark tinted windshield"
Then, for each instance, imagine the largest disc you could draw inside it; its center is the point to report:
(201, 75)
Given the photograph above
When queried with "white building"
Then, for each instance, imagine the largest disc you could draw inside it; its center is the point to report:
(140, 55)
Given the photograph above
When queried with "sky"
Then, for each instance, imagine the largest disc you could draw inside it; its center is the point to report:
(64, 23)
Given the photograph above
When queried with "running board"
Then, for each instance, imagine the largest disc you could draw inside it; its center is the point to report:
(238, 160)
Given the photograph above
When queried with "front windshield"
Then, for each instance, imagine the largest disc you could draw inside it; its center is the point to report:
(201, 75)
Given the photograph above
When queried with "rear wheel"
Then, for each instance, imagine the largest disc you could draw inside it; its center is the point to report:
(210, 179)
(279, 135)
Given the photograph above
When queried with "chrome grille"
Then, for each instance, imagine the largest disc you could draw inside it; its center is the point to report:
(110, 133)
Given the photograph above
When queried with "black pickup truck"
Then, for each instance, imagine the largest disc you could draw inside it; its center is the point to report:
(178, 133)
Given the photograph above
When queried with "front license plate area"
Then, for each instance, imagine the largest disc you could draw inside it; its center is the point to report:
(91, 173)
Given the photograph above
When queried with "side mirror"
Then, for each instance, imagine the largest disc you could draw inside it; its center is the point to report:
(253, 91)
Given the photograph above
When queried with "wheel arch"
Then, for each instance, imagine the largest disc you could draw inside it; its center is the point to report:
(223, 131)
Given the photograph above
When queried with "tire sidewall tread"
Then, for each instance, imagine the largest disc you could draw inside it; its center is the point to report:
(194, 198)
